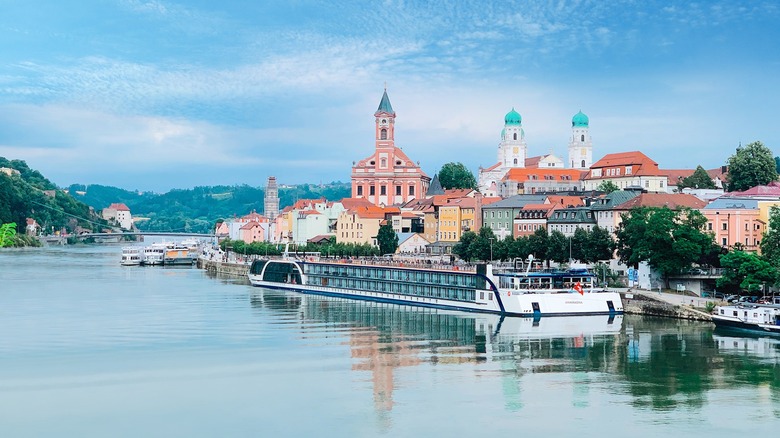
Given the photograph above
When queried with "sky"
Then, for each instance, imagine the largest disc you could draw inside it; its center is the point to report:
(157, 95)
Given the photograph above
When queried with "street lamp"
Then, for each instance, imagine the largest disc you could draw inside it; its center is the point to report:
(491, 248)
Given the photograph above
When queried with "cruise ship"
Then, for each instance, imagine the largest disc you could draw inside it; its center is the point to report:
(480, 288)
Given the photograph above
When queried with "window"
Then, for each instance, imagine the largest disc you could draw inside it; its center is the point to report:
(583, 164)
(411, 190)
(398, 190)
(514, 136)
(515, 161)
(647, 184)
(746, 226)
(382, 190)
(661, 184)
(724, 226)
(360, 190)
(628, 170)
(709, 226)
(724, 241)
(383, 134)
(582, 137)
(372, 190)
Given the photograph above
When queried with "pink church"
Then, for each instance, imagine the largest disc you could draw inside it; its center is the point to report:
(388, 176)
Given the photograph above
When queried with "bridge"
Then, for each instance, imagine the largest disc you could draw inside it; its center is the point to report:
(143, 233)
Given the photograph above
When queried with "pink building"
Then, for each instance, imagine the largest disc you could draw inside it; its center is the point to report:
(735, 221)
(388, 176)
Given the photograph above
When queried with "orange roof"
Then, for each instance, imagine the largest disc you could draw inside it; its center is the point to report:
(539, 206)
(307, 203)
(566, 201)
(533, 161)
(671, 200)
(250, 225)
(641, 165)
(524, 174)
(397, 155)
(409, 215)
(368, 212)
(462, 202)
(118, 206)
(350, 203)
(309, 212)
(490, 199)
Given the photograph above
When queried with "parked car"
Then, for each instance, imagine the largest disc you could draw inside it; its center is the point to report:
(732, 298)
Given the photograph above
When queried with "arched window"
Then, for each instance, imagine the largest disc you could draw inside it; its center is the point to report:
(515, 136)
(583, 164)
(383, 134)
(582, 137)
(515, 161)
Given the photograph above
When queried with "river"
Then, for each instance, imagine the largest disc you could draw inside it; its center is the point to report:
(91, 348)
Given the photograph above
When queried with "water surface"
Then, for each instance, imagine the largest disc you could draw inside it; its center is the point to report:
(91, 348)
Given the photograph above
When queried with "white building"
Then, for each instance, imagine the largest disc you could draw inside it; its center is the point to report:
(512, 151)
(119, 213)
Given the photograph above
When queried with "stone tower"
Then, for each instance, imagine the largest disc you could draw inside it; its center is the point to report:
(271, 199)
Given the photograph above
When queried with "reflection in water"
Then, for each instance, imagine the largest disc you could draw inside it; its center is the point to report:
(665, 364)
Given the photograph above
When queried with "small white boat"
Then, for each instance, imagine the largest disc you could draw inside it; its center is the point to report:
(154, 254)
(132, 256)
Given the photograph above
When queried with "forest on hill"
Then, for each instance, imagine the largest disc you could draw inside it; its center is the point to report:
(198, 209)
(26, 193)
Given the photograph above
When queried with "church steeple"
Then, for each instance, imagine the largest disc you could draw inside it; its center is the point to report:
(384, 105)
(385, 123)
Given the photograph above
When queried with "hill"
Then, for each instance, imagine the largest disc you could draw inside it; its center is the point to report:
(25, 193)
(198, 209)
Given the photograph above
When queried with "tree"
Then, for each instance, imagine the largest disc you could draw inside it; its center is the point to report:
(607, 186)
(745, 271)
(668, 240)
(456, 176)
(600, 245)
(698, 180)
(387, 239)
(579, 244)
(538, 243)
(558, 247)
(752, 165)
(770, 243)
(7, 233)
(777, 164)
(462, 249)
(484, 246)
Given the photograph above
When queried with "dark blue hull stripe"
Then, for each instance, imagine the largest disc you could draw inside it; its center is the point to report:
(430, 305)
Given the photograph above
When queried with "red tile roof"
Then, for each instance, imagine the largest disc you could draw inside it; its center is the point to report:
(558, 174)
(771, 189)
(641, 165)
(566, 201)
(671, 200)
(118, 207)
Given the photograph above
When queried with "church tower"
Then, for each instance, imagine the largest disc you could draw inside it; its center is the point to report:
(271, 199)
(580, 146)
(512, 150)
(385, 124)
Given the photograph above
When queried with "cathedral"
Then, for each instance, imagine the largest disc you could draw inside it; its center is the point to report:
(388, 176)
(513, 152)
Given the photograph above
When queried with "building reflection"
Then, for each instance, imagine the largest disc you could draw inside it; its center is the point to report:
(664, 363)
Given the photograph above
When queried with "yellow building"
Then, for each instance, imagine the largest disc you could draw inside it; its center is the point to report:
(456, 217)
(359, 225)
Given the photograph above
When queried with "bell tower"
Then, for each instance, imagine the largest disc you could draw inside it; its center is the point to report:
(385, 123)
(580, 145)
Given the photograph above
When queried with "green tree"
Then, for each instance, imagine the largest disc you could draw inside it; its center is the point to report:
(519, 248)
(668, 240)
(698, 180)
(751, 166)
(456, 176)
(745, 271)
(579, 244)
(607, 186)
(538, 243)
(387, 239)
(770, 243)
(462, 249)
(777, 164)
(600, 245)
(7, 233)
(484, 246)
(558, 246)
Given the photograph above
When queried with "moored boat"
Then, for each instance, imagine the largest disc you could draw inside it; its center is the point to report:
(756, 318)
(477, 288)
(132, 256)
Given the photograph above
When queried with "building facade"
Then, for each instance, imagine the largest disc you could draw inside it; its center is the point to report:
(388, 176)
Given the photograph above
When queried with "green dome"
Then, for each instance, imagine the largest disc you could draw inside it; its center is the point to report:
(579, 119)
(513, 118)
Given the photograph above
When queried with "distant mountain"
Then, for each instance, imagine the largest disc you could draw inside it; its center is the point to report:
(25, 193)
(198, 209)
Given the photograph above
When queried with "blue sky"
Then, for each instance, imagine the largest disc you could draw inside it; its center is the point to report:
(155, 95)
